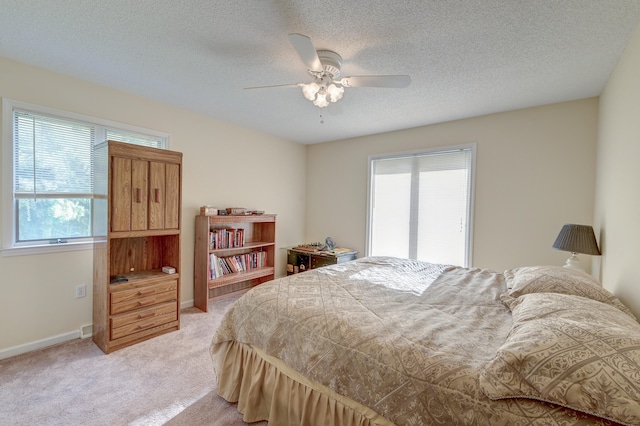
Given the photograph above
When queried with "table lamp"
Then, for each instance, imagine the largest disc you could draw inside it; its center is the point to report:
(576, 239)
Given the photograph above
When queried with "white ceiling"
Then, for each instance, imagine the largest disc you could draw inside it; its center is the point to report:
(465, 57)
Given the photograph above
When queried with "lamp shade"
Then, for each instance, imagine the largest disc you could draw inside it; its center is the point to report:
(577, 239)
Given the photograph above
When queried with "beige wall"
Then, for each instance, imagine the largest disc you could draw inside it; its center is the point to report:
(618, 176)
(535, 171)
(38, 291)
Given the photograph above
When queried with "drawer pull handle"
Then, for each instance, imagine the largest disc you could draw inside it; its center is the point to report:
(138, 195)
(147, 292)
(146, 325)
(147, 315)
(156, 195)
(147, 302)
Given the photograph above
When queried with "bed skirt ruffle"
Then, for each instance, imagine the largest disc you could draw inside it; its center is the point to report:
(265, 388)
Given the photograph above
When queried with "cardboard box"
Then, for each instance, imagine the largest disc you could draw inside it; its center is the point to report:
(208, 211)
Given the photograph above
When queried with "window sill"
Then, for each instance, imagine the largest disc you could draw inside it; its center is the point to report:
(46, 248)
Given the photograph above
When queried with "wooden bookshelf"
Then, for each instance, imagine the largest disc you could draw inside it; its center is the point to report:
(259, 233)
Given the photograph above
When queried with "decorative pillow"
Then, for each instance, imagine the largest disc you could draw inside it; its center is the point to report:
(570, 351)
(556, 279)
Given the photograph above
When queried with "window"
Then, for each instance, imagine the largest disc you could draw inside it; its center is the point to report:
(420, 205)
(48, 179)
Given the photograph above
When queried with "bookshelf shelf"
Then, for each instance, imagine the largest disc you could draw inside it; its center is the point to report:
(241, 276)
(257, 244)
(257, 239)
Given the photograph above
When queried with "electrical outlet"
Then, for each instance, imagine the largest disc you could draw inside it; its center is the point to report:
(81, 291)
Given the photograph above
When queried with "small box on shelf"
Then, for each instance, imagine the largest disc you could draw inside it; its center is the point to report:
(236, 211)
(168, 269)
(208, 211)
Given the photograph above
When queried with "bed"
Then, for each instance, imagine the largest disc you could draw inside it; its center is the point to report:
(387, 341)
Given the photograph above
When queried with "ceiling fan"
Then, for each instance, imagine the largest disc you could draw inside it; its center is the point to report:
(324, 67)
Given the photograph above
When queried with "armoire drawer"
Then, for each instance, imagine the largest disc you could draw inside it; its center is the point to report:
(128, 300)
(129, 323)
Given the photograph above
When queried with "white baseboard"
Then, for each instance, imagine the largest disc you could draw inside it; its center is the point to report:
(38, 344)
(83, 333)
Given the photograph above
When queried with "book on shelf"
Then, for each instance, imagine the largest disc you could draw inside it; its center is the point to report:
(232, 261)
(224, 266)
(215, 270)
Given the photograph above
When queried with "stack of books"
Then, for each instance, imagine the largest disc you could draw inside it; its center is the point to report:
(219, 266)
(226, 238)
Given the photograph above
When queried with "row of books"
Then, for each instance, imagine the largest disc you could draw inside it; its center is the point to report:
(219, 266)
(226, 238)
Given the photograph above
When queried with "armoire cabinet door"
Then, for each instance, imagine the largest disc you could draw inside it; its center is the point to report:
(172, 199)
(157, 194)
(120, 194)
(139, 194)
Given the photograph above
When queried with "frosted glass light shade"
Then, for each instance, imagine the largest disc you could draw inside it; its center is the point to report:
(321, 100)
(335, 92)
(309, 90)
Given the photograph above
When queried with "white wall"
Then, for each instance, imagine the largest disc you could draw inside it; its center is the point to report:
(223, 164)
(535, 172)
(618, 176)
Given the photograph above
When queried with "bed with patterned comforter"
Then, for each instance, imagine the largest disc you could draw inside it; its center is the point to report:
(382, 341)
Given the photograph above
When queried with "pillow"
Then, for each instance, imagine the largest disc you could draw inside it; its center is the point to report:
(570, 351)
(556, 279)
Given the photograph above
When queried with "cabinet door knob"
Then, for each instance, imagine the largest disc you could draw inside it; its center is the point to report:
(138, 195)
(156, 195)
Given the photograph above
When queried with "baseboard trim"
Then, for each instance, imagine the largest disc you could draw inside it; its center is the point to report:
(38, 344)
(82, 333)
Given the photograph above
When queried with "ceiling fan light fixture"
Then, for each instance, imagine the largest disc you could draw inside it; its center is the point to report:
(324, 66)
(323, 92)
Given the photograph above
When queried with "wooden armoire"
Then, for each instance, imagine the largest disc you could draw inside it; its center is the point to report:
(136, 263)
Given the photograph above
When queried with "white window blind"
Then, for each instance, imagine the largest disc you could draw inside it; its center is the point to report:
(421, 206)
(52, 173)
(135, 138)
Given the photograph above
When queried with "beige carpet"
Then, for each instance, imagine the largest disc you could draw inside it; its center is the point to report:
(166, 380)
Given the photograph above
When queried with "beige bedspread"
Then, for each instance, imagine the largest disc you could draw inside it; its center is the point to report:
(407, 339)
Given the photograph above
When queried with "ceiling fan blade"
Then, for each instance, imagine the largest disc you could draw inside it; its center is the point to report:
(307, 52)
(395, 81)
(275, 85)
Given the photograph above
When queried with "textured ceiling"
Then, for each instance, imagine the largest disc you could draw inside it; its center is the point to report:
(465, 57)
